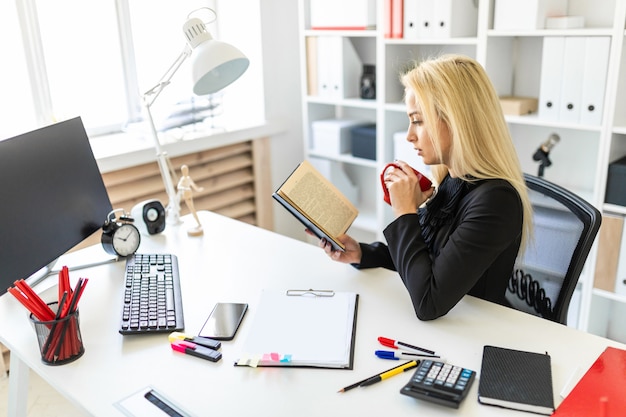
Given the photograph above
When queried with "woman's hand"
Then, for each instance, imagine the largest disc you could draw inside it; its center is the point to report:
(404, 189)
(352, 254)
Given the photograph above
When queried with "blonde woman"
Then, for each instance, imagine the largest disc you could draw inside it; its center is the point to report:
(466, 237)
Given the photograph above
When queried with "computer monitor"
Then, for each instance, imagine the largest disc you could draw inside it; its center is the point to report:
(53, 198)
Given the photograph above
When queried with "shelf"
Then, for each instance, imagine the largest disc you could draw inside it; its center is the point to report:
(444, 41)
(614, 208)
(345, 33)
(346, 102)
(609, 295)
(346, 158)
(534, 120)
(550, 32)
(513, 60)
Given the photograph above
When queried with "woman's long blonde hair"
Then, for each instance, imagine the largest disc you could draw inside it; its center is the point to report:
(456, 90)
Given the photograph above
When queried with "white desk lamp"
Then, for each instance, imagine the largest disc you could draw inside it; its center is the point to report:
(215, 65)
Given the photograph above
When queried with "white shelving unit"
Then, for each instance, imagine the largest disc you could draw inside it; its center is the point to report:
(513, 60)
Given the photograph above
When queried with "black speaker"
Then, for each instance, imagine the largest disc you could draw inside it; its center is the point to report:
(368, 82)
(149, 216)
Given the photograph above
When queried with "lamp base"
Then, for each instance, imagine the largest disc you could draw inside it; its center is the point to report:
(172, 216)
(195, 231)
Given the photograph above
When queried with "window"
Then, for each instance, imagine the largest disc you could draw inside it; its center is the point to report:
(96, 59)
(17, 114)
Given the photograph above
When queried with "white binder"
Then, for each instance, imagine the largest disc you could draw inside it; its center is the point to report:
(594, 84)
(453, 18)
(440, 18)
(573, 73)
(339, 68)
(411, 19)
(526, 14)
(425, 18)
(346, 14)
(551, 73)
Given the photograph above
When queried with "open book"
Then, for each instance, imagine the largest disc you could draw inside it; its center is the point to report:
(317, 203)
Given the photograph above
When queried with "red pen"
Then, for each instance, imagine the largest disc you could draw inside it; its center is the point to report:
(196, 350)
(401, 345)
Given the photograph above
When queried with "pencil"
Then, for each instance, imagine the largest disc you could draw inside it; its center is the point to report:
(390, 373)
(356, 384)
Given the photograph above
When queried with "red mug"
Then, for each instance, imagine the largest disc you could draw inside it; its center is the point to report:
(425, 183)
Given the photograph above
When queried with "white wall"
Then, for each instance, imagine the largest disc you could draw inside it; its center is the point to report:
(283, 103)
(267, 31)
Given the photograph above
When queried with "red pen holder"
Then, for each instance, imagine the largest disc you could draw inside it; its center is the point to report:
(60, 341)
(425, 183)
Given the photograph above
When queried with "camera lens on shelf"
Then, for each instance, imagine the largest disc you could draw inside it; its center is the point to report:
(368, 82)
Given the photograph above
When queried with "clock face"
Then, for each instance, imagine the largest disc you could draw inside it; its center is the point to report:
(126, 240)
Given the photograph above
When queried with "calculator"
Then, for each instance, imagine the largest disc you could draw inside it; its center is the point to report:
(440, 383)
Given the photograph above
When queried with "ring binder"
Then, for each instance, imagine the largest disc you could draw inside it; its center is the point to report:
(311, 291)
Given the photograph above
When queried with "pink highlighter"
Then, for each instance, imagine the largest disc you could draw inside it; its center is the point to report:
(425, 183)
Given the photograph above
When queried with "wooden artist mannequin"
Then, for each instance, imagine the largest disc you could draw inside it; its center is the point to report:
(186, 187)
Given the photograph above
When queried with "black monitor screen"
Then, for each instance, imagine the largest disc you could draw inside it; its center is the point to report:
(53, 198)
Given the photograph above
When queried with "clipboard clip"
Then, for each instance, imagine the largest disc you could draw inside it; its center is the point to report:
(310, 291)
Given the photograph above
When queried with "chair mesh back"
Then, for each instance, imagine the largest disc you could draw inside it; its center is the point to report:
(547, 257)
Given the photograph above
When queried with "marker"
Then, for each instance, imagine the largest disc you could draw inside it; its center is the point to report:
(196, 350)
(399, 345)
(198, 340)
(358, 384)
(387, 354)
(390, 373)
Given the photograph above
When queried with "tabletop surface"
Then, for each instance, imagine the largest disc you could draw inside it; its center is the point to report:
(234, 262)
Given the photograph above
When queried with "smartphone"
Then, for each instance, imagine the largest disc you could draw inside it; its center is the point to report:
(224, 320)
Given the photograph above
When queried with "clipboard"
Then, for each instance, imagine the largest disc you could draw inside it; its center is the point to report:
(302, 328)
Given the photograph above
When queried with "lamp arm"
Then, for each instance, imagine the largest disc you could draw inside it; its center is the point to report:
(173, 205)
(149, 97)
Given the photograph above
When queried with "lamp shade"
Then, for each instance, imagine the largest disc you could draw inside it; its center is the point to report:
(215, 64)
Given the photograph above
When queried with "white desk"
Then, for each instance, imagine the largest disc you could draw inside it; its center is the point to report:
(234, 262)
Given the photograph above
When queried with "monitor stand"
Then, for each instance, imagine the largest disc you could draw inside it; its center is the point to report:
(48, 270)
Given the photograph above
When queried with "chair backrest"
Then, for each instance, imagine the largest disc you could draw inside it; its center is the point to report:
(565, 226)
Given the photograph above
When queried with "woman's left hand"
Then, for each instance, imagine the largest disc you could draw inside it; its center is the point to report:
(404, 189)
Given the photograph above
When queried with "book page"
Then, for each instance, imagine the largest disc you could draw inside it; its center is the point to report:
(319, 199)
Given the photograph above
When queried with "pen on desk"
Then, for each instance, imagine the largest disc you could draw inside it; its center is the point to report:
(387, 354)
(389, 373)
(398, 345)
(357, 384)
(196, 350)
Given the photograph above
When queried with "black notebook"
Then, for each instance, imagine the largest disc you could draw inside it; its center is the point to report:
(517, 380)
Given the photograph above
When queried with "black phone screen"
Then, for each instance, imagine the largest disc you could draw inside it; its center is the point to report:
(224, 320)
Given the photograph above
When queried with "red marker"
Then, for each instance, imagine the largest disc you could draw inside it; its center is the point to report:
(401, 345)
(196, 350)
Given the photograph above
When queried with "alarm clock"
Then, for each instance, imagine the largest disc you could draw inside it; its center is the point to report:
(119, 235)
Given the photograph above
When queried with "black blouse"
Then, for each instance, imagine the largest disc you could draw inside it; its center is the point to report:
(464, 241)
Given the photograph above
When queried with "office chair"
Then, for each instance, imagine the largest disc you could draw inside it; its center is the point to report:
(565, 226)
